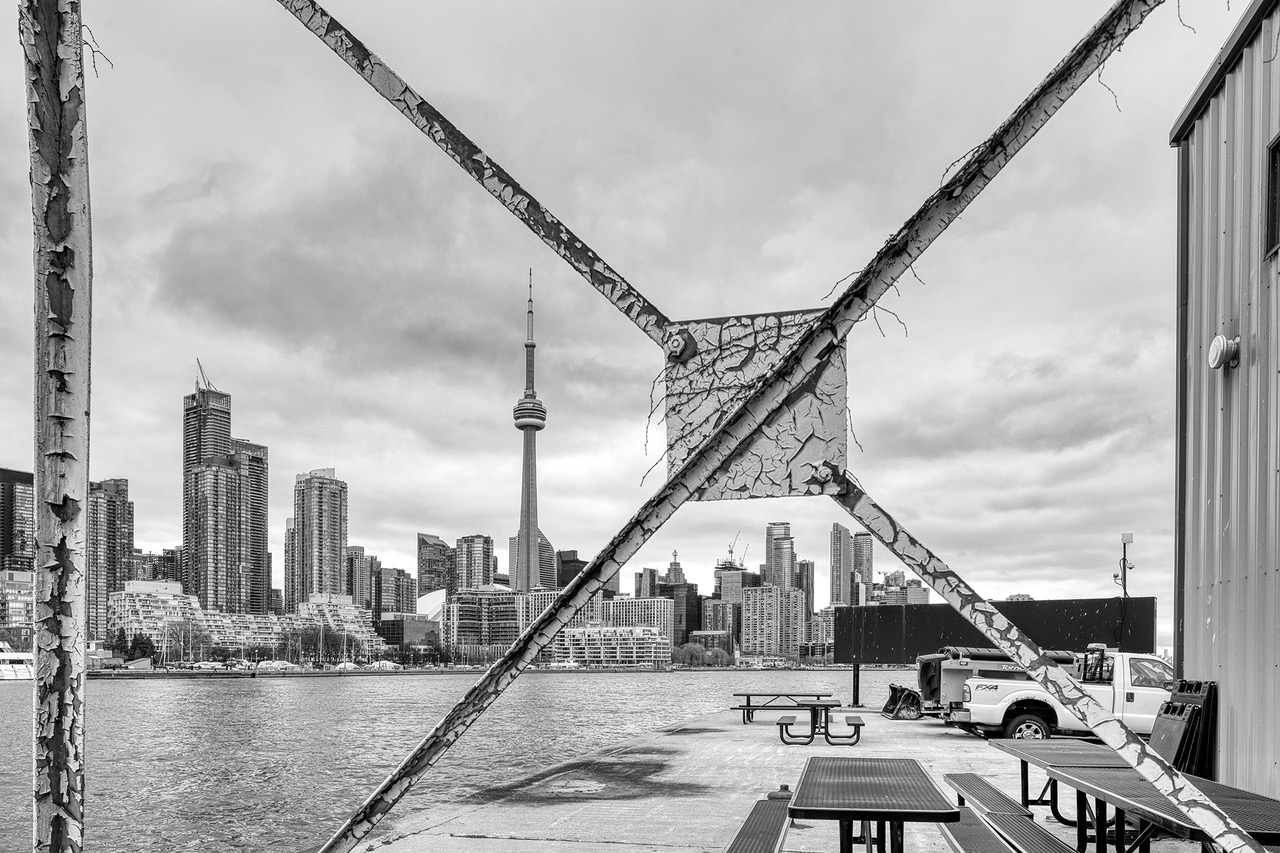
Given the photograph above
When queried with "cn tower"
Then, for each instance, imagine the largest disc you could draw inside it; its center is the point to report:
(530, 416)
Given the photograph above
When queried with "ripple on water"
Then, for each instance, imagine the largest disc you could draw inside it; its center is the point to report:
(253, 764)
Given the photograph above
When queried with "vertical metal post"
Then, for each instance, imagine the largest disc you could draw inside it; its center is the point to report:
(50, 35)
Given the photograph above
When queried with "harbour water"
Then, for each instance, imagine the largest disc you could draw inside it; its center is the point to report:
(253, 764)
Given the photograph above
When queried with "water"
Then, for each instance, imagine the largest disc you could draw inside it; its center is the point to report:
(254, 764)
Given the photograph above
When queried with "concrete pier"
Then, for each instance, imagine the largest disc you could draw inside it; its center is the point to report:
(688, 788)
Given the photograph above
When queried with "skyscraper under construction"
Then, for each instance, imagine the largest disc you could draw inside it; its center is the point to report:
(225, 562)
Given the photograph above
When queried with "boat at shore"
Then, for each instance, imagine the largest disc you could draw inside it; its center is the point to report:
(17, 666)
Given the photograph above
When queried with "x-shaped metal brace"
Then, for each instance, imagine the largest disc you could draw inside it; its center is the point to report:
(810, 349)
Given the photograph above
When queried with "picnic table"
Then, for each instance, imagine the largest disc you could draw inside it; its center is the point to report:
(892, 791)
(771, 702)
(1057, 752)
(819, 724)
(1125, 791)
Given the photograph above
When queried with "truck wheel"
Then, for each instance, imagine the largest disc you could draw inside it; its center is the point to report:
(1027, 727)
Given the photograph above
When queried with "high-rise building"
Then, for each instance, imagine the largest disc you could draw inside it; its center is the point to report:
(394, 591)
(17, 521)
(253, 458)
(686, 612)
(531, 605)
(17, 602)
(568, 567)
(898, 578)
(823, 626)
(164, 566)
(773, 530)
(720, 615)
(862, 557)
(480, 620)
(435, 558)
(734, 581)
(772, 621)
(109, 551)
(629, 612)
(289, 594)
(804, 581)
(647, 581)
(218, 562)
(318, 533)
(780, 555)
(220, 551)
(206, 433)
(841, 565)
(473, 557)
(545, 578)
(359, 570)
(675, 572)
(529, 570)
(225, 562)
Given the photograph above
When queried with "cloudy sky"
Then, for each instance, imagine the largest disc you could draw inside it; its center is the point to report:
(258, 207)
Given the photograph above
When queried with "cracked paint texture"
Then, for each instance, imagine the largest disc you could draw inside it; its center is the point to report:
(485, 171)
(815, 346)
(801, 444)
(50, 35)
(1008, 638)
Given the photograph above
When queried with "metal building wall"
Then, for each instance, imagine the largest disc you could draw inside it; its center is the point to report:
(1229, 488)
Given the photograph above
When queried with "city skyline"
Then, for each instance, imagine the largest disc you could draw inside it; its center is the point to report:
(350, 286)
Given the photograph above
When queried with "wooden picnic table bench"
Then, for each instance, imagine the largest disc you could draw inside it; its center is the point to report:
(772, 702)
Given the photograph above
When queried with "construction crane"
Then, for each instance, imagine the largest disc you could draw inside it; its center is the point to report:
(733, 545)
(202, 377)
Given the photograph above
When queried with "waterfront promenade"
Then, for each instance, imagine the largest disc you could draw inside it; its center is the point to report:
(687, 788)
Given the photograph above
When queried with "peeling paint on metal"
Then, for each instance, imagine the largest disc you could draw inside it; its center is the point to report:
(819, 342)
(481, 168)
(718, 363)
(50, 36)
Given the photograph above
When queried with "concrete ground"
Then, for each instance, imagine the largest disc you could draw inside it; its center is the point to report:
(689, 787)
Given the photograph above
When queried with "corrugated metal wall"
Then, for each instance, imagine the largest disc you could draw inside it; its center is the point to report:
(1230, 454)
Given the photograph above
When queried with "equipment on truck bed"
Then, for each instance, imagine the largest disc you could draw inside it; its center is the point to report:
(941, 676)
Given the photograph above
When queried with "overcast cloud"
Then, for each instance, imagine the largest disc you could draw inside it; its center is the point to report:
(257, 206)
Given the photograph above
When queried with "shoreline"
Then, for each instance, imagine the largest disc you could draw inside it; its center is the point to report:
(197, 674)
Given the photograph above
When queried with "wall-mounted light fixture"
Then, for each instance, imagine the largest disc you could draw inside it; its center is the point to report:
(1224, 351)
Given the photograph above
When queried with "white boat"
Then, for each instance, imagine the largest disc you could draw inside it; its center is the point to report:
(17, 666)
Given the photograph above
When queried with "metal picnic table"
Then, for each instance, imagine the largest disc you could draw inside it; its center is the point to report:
(891, 791)
(819, 724)
(1129, 794)
(772, 702)
(1056, 752)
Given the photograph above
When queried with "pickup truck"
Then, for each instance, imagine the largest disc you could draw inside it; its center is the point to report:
(1131, 686)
